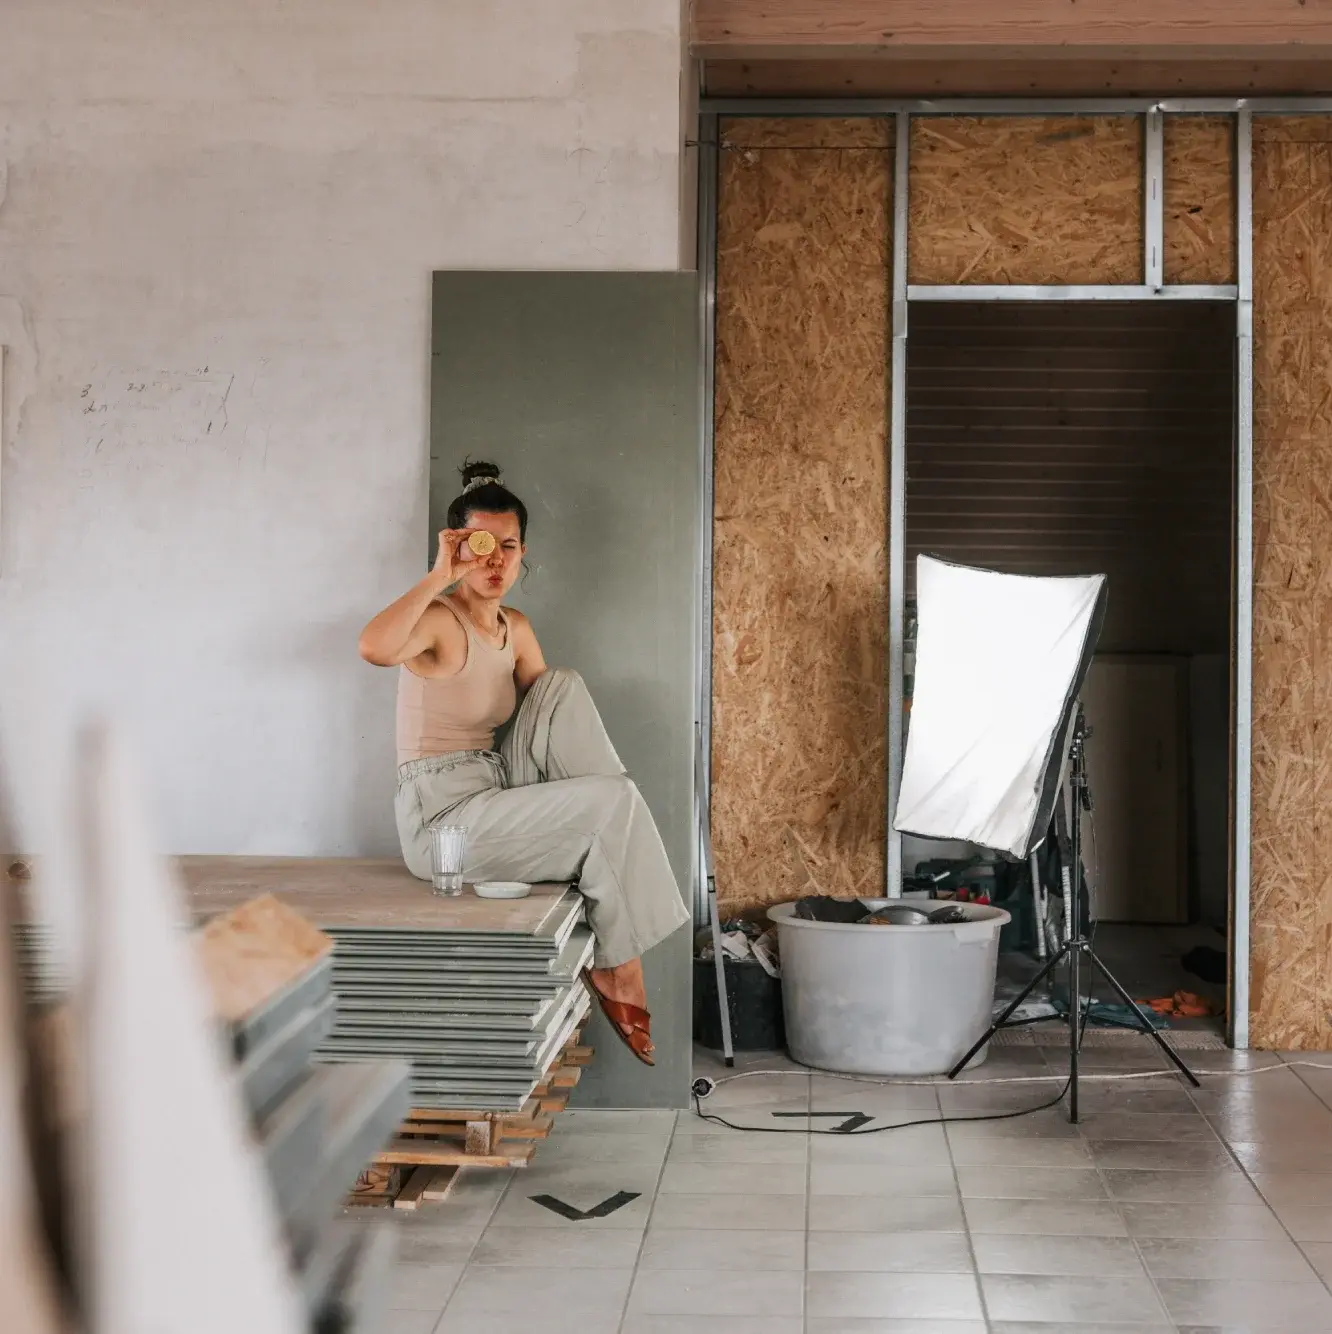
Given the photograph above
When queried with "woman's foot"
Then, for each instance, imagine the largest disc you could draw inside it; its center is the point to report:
(624, 984)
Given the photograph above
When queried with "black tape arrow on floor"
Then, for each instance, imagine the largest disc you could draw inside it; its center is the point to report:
(850, 1120)
(608, 1206)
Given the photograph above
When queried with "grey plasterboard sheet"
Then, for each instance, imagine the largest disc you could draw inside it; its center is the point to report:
(311, 988)
(441, 1076)
(275, 1066)
(585, 388)
(453, 1090)
(574, 1016)
(520, 1000)
(468, 965)
(516, 997)
(366, 1104)
(388, 960)
(358, 1296)
(406, 967)
(444, 1021)
(292, 1136)
(518, 946)
(320, 1275)
(493, 986)
(458, 1084)
(430, 1041)
(467, 1013)
(457, 1091)
(443, 949)
(421, 1035)
(461, 1027)
(471, 1099)
(440, 1080)
(479, 971)
(478, 1057)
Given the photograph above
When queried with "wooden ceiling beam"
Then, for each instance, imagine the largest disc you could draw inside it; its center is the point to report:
(1015, 78)
(1013, 29)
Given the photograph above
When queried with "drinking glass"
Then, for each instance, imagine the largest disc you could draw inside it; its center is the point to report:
(447, 844)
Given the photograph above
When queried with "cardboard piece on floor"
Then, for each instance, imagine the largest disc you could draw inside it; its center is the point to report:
(162, 1106)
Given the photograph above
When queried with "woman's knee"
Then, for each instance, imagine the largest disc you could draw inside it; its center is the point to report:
(611, 788)
(610, 795)
(564, 677)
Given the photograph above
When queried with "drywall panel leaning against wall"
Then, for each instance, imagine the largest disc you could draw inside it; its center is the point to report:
(584, 388)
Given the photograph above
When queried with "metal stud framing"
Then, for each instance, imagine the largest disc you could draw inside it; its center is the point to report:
(1152, 288)
(1242, 691)
(707, 342)
(1104, 292)
(1153, 201)
(897, 499)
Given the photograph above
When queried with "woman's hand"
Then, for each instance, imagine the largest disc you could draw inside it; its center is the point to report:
(446, 558)
(403, 630)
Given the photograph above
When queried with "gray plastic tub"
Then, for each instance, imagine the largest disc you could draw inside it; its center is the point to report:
(887, 1000)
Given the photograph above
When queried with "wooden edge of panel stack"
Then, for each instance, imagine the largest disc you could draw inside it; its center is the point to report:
(422, 1162)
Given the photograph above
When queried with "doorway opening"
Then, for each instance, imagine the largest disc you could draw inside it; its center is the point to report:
(1059, 438)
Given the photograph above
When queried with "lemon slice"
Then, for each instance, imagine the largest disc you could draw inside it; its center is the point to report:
(482, 543)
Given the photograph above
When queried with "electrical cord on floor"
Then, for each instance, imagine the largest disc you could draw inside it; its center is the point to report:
(708, 1085)
(942, 1082)
(875, 1130)
(703, 1087)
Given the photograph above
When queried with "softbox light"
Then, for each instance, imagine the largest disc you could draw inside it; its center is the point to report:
(999, 660)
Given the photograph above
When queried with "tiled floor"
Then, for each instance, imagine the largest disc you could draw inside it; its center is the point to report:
(1167, 1209)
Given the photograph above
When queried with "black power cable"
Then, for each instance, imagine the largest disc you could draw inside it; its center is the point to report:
(902, 1125)
(874, 1130)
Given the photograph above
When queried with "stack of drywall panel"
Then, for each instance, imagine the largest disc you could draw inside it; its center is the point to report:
(270, 973)
(480, 1014)
(479, 995)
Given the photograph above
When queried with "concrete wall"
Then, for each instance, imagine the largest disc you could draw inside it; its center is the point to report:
(217, 229)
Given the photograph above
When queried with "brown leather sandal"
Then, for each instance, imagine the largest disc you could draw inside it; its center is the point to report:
(633, 1017)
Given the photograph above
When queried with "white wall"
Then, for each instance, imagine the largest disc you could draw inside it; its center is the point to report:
(216, 241)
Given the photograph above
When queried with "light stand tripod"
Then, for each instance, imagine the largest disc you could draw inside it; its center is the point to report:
(1077, 945)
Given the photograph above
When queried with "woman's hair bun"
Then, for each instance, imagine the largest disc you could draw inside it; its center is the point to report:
(483, 489)
(480, 471)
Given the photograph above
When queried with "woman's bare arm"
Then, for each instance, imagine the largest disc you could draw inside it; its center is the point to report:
(406, 628)
(528, 662)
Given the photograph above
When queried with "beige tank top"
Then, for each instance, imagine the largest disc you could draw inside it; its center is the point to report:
(438, 715)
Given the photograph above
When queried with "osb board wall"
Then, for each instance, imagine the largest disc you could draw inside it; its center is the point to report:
(1200, 199)
(800, 578)
(1026, 199)
(1291, 868)
(806, 132)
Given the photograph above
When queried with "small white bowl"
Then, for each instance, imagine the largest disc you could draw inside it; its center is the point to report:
(502, 889)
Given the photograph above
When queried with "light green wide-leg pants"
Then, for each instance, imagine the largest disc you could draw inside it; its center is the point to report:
(554, 804)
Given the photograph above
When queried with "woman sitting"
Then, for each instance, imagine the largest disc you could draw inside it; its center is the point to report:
(554, 802)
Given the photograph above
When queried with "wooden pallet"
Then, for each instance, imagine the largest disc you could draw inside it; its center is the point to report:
(419, 1164)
